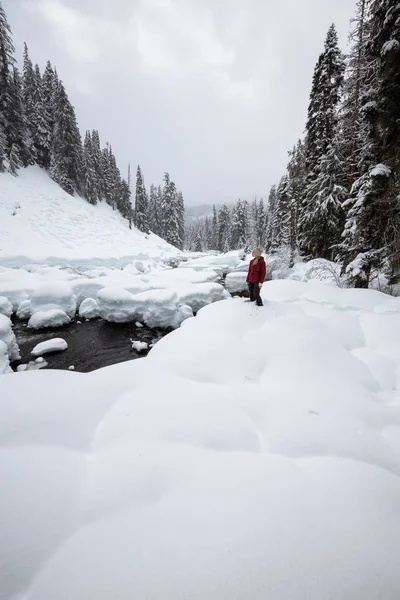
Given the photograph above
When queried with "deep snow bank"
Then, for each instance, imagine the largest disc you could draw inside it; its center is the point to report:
(253, 454)
(39, 222)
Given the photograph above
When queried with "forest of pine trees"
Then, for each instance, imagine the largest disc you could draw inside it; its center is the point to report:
(340, 196)
(38, 125)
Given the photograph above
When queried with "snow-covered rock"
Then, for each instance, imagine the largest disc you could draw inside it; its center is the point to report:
(117, 305)
(24, 309)
(89, 309)
(53, 295)
(6, 308)
(53, 345)
(202, 294)
(157, 308)
(236, 282)
(4, 359)
(48, 318)
(7, 336)
(184, 312)
(140, 346)
(253, 454)
(33, 365)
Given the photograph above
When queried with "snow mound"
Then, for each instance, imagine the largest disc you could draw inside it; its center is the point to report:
(4, 359)
(202, 294)
(40, 221)
(7, 336)
(157, 308)
(116, 305)
(140, 346)
(236, 282)
(54, 345)
(6, 308)
(254, 453)
(89, 309)
(48, 318)
(54, 295)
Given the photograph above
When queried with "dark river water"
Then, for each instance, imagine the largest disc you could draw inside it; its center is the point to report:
(91, 344)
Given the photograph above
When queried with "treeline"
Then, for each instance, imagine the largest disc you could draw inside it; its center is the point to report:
(340, 196)
(161, 211)
(241, 226)
(38, 125)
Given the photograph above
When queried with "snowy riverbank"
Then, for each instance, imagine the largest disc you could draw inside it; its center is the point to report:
(250, 444)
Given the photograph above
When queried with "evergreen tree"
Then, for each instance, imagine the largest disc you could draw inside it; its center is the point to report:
(239, 228)
(66, 151)
(141, 204)
(29, 83)
(224, 229)
(170, 212)
(371, 237)
(41, 123)
(90, 187)
(322, 126)
(18, 126)
(297, 175)
(214, 230)
(269, 237)
(261, 225)
(180, 207)
(97, 164)
(124, 203)
(350, 134)
(161, 221)
(7, 62)
(323, 225)
(107, 174)
(15, 160)
(281, 217)
(154, 210)
(2, 150)
(114, 179)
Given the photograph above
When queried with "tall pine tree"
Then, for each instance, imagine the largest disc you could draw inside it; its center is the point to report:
(141, 203)
(322, 129)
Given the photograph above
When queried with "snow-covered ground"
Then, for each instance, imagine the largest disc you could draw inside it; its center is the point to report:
(254, 454)
(40, 223)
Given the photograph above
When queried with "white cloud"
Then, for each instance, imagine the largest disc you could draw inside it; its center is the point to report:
(179, 35)
(80, 33)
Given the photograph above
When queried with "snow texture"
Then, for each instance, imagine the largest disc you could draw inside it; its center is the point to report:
(381, 171)
(40, 223)
(4, 359)
(236, 281)
(7, 336)
(53, 345)
(89, 309)
(6, 308)
(254, 453)
(42, 319)
(140, 346)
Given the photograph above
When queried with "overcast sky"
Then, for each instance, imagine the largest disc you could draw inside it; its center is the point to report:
(213, 91)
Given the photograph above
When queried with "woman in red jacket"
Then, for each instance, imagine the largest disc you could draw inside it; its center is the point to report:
(256, 276)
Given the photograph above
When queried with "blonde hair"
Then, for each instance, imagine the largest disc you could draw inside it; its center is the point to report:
(258, 252)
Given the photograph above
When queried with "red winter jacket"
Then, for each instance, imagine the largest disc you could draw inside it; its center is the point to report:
(257, 272)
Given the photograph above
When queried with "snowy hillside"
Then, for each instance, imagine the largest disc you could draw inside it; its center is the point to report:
(254, 454)
(39, 222)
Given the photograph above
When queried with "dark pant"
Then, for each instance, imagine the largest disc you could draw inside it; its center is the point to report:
(254, 292)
